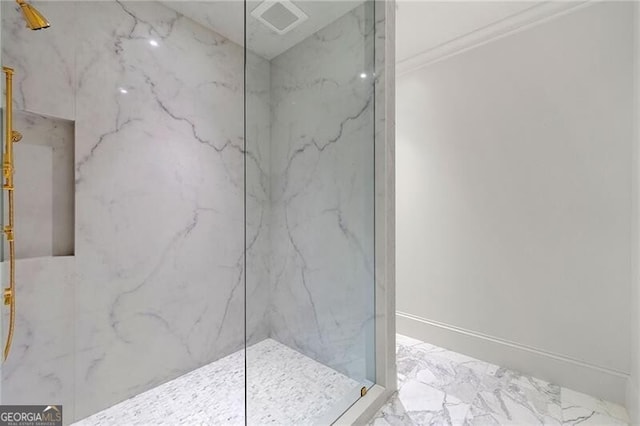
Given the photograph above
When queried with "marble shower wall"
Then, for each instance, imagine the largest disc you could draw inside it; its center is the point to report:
(322, 221)
(40, 366)
(45, 79)
(160, 200)
(159, 232)
(258, 197)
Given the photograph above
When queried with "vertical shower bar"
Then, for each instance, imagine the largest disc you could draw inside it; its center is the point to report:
(11, 137)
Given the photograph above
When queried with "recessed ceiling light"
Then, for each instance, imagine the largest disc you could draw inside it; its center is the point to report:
(363, 75)
(123, 90)
(153, 43)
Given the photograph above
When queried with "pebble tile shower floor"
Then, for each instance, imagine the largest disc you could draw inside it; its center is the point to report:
(284, 387)
(440, 387)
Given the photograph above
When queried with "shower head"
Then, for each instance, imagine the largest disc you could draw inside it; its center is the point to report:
(34, 19)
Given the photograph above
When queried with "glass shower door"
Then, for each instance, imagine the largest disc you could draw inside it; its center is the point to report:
(309, 126)
(205, 242)
(132, 156)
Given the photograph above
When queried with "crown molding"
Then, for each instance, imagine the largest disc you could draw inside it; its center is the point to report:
(519, 21)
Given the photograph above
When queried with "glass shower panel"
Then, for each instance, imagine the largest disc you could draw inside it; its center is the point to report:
(129, 188)
(309, 105)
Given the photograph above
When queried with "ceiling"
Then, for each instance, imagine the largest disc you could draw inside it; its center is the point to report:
(421, 26)
(425, 25)
(227, 19)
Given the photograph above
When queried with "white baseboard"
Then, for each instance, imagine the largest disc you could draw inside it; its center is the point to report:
(605, 383)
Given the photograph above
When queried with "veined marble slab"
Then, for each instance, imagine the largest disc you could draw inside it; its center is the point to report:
(322, 200)
(283, 387)
(39, 369)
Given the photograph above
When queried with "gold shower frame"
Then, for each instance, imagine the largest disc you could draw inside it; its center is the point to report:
(11, 137)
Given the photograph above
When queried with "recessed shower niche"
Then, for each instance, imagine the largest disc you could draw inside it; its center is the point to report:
(44, 182)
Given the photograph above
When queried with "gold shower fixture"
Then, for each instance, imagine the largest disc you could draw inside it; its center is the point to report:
(11, 137)
(34, 19)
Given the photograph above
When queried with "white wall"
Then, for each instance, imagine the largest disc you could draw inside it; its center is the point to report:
(513, 200)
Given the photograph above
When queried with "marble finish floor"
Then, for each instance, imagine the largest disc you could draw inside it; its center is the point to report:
(284, 388)
(440, 387)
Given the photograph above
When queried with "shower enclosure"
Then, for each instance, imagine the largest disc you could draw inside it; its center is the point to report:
(203, 210)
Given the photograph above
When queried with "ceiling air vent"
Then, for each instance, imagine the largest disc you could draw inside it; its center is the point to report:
(279, 15)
